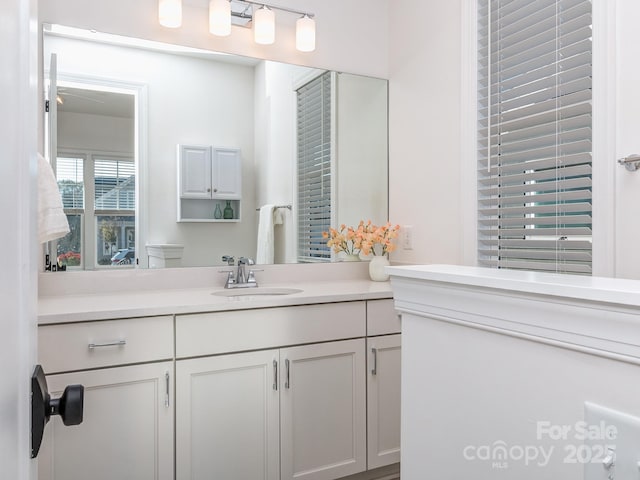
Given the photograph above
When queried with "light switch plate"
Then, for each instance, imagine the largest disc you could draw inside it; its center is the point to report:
(620, 431)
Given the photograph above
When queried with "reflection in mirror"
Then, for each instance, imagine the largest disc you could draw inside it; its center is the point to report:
(305, 138)
(95, 170)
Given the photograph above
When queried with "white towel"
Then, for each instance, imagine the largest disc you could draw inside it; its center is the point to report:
(269, 216)
(52, 222)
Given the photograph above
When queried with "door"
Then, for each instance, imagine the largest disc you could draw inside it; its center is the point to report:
(322, 409)
(383, 401)
(627, 126)
(127, 431)
(194, 167)
(18, 282)
(227, 418)
(227, 176)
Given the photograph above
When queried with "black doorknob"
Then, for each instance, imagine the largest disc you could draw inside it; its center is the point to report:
(69, 406)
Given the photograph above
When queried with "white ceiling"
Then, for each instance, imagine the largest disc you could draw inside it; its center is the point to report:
(96, 102)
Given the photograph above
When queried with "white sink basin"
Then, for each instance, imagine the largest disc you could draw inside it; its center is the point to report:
(255, 291)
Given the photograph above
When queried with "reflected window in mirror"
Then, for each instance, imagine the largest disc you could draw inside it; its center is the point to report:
(101, 216)
(314, 168)
(96, 172)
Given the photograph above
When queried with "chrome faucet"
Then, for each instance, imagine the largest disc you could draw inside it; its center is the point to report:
(240, 279)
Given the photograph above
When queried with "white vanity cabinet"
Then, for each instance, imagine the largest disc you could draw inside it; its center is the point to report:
(322, 410)
(291, 412)
(306, 392)
(295, 412)
(228, 417)
(208, 179)
(383, 384)
(127, 430)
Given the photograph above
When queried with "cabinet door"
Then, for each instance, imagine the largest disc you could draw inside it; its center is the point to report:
(322, 408)
(194, 164)
(227, 417)
(227, 174)
(383, 398)
(127, 430)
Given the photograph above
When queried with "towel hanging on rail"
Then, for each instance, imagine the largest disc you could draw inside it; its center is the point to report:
(269, 216)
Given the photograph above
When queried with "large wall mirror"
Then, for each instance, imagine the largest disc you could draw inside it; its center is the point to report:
(309, 142)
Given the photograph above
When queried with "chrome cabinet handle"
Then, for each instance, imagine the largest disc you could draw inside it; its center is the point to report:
(374, 370)
(275, 375)
(166, 397)
(286, 381)
(117, 343)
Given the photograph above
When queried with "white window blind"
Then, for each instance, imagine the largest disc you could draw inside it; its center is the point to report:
(314, 168)
(70, 178)
(115, 184)
(534, 135)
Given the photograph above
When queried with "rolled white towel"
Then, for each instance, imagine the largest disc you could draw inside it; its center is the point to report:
(52, 221)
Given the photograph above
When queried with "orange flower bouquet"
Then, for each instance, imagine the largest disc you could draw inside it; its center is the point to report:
(377, 240)
(344, 240)
(367, 238)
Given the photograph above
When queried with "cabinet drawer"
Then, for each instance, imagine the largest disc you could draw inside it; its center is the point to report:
(222, 332)
(78, 346)
(382, 318)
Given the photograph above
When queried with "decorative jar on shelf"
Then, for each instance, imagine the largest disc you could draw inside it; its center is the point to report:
(228, 211)
(217, 214)
(377, 268)
(351, 258)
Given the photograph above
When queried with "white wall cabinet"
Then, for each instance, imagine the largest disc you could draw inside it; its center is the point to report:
(383, 400)
(208, 178)
(127, 431)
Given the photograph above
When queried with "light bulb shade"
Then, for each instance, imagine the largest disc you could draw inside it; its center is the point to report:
(170, 13)
(306, 34)
(220, 17)
(264, 26)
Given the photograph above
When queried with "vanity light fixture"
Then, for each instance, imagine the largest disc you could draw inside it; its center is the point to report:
(306, 34)
(264, 26)
(220, 17)
(245, 13)
(170, 13)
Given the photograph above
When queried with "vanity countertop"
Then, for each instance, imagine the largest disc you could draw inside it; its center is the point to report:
(113, 305)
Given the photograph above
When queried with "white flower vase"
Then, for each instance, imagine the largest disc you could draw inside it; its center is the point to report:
(351, 258)
(376, 268)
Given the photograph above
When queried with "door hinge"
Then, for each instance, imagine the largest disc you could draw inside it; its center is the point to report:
(46, 106)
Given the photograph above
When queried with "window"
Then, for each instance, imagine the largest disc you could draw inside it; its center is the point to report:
(534, 135)
(314, 168)
(98, 195)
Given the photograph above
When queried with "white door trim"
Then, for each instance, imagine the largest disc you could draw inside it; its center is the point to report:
(18, 282)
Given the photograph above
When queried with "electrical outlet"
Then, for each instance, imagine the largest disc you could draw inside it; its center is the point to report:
(407, 237)
(611, 444)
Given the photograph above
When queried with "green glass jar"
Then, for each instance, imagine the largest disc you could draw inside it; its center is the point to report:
(228, 211)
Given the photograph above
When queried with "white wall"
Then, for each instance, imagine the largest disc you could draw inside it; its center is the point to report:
(361, 150)
(489, 387)
(190, 101)
(425, 128)
(275, 99)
